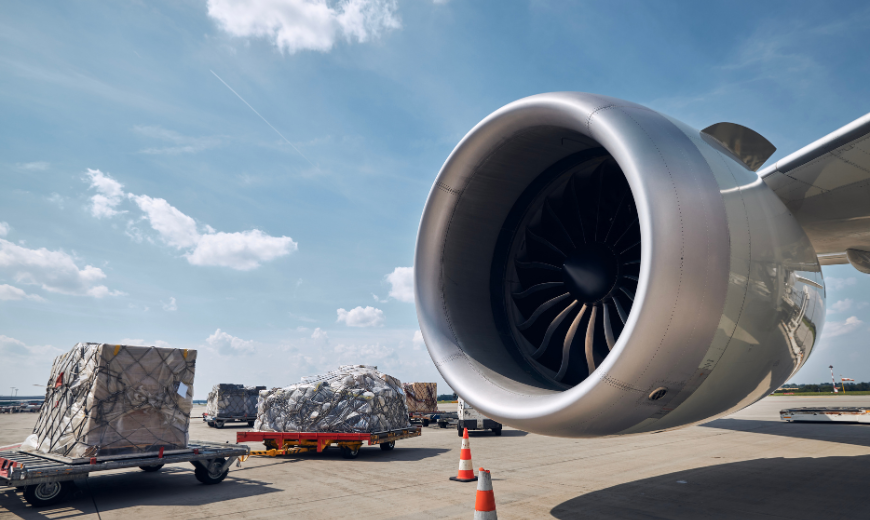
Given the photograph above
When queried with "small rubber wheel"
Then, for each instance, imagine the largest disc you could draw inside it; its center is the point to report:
(425, 422)
(459, 431)
(442, 424)
(151, 469)
(349, 453)
(218, 424)
(210, 425)
(250, 424)
(387, 446)
(209, 473)
(496, 431)
(47, 493)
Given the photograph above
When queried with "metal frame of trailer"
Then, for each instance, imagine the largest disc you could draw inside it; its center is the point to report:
(292, 443)
(827, 414)
(219, 421)
(47, 481)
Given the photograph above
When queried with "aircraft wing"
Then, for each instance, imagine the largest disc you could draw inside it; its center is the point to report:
(826, 186)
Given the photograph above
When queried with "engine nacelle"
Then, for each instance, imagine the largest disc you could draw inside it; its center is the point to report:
(586, 266)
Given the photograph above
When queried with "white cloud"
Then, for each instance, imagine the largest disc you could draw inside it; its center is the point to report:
(361, 317)
(418, 341)
(180, 143)
(229, 345)
(839, 328)
(8, 292)
(110, 193)
(4, 229)
(242, 251)
(34, 166)
(171, 305)
(293, 25)
(839, 283)
(402, 281)
(362, 354)
(56, 199)
(54, 271)
(840, 306)
(12, 346)
(319, 336)
(174, 227)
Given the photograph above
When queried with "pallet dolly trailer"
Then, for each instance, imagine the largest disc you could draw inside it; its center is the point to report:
(47, 481)
(219, 421)
(292, 443)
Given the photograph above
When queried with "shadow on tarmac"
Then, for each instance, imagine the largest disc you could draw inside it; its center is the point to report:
(171, 486)
(857, 434)
(797, 489)
(372, 454)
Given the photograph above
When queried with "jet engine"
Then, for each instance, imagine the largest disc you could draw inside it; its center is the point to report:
(586, 266)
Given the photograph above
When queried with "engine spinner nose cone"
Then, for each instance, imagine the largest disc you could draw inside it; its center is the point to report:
(590, 272)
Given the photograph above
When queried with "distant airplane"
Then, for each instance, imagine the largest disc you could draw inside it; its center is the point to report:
(586, 266)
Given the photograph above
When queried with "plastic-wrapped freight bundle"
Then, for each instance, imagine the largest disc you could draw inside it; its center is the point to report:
(114, 400)
(352, 399)
(226, 400)
(421, 397)
(252, 394)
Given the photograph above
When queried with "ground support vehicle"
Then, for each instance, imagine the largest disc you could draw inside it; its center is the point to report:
(46, 482)
(218, 422)
(474, 420)
(291, 443)
(827, 414)
(446, 419)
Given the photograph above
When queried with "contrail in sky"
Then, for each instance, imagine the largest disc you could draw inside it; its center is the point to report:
(263, 118)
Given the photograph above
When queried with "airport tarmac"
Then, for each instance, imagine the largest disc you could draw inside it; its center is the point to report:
(749, 466)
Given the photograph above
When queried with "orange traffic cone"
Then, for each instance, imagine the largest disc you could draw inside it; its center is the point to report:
(484, 505)
(466, 469)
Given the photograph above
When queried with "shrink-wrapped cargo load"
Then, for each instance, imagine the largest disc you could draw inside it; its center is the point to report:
(230, 400)
(422, 397)
(352, 399)
(112, 401)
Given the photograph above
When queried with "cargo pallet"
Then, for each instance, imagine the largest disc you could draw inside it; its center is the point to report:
(292, 443)
(47, 481)
(219, 421)
(827, 414)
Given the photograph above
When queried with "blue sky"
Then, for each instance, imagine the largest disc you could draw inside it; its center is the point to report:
(246, 178)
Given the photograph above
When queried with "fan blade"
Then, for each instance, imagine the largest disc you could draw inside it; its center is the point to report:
(535, 288)
(590, 341)
(629, 248)
(566, 346)
(627, 229)
(630, 277)
(622, 315)
(573, 189)
(540, 310)
(552, 328)
(546, 243)
(632, 262)
(627, 293)
(555, 217)
(613, 220)
(608, 329)
(537, 265)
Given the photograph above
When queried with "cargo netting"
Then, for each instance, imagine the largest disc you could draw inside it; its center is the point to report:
(106, 400)
(422, 397)
(230, 400)
(352, 399)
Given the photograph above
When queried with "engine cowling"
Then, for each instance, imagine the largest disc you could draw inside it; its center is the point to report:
(586, 266)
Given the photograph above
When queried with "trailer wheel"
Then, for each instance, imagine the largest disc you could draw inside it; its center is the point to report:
(47, 493)
(151, 469)
(349, 453)
(250, 424)
(218, 424)
(459, 431)
(209, 474)
(496, 431)
(442, 424)
(387, 446)
(425, 422)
